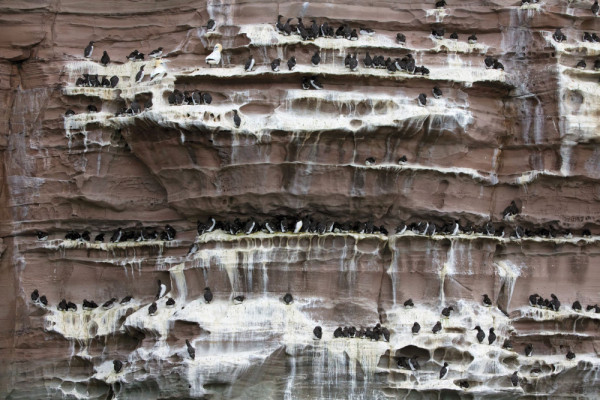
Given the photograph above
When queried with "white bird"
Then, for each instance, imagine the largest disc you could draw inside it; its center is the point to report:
(214, 58)
(159, 71)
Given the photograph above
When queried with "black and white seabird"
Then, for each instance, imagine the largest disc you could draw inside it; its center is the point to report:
(249, 227)
(507, 344)
(422, 100)
(89, 305)
(140, 75)
(315, 84)
(597, 64)
(437, 327)
(249, 64)
(87, 53)
(514, 379)
(353, 63)
(463, 384)
(533, 299)
(529, 350)
(409, 303)
(498, 65)
(570, 355)
(511, 209)
(156, 53)
(491, 336)
(315, 59)
(595, 8)
(133, 55)
(437, 92)
(35, 296)
(114, 80)
(117, 366)
(487, 301)
(489, 62)
(237, 121)
(170, 302)
(275, 64)
(554, 303)
(190, 349)
(41, 235)
(152, 309)
(206, 98)
(210, 25)
(69, 113)
(559, 36)
(416, 328)
(401, 38)
(576, 306)
(444, 371)
(239, 299)
(366, 31)
(472, 39)
(581, 64)
(105, 58)
(587, 37)
(288, 299)
(385, 333)
(92, 108)
(480, 334)
(318, 332)
(62, 305)
(208, 296)
(454, 36)
(438, 33)
(440, 4)
(291, 63)
(368, 61)
(162, 289)
(99, 238)
(353, 35)
(446, 311)
(135, 107)
(109, 304)
(43, 300)
(71, 306)
(413, 364)
(126, 299)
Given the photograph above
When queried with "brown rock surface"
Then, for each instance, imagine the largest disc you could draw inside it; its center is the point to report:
(529, 133)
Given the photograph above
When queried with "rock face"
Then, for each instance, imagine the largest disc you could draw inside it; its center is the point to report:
(528, 133)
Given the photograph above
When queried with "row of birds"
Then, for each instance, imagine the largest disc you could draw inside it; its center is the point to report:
(120, 235)
(535, 300)
(133, 56)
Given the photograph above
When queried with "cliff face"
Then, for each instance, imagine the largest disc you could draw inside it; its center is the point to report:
(528, 133)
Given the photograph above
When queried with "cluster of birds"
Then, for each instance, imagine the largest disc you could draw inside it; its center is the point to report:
(581, 64)
(194, 98)
(87, 80)
(134, 108)
(374, 333)
(314, 30)
(553, 304)
(411, 363)
(133, 56)
(120, 235)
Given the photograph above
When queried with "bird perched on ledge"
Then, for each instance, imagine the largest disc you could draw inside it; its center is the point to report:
(214, 58)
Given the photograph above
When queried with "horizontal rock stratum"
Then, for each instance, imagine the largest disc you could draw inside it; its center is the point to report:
(359, 152)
